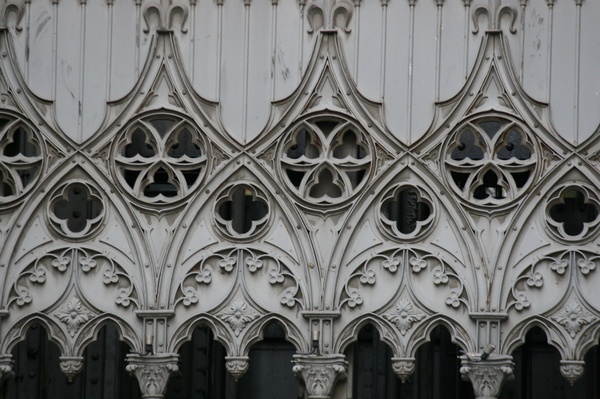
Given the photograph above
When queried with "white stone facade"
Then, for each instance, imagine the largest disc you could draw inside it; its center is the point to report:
(324, 164)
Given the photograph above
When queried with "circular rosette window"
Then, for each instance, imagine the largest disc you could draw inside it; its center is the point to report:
(76, 210)
(241, 211)
(21, 158)
(572, 213)
(160, 158)
(325, 160)
(406, 212)
(490, 161)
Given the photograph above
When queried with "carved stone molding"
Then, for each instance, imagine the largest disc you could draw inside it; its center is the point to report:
(6, 367)
(404, 367)
(572, 370)
(237, 366)
(153, 373)
(320, 373)
(71, 366)
(488, 375)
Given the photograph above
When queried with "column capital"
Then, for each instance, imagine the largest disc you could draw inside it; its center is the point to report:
(404, 367)
(487, 376)
(572, 370)
(153, 372)
(71, 366)
(6, 367)
(320, 373)
(237, 366)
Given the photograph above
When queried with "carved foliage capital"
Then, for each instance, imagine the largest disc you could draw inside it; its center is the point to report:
(404, 367)
(572, 370)
(320, 373)
(487, 376)
(6, 367)
(237, 366)
(71, 366)
(153, 373)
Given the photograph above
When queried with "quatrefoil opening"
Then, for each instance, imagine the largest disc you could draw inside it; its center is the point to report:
(573, 213)
(76, 210)
(241, 211)
(406, 212)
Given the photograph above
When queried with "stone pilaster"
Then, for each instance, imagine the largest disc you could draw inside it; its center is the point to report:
(6, 367)
(404, 367)
(71, 366)
(487, 376)
(153, 372)
(320, 373)
(572, 370)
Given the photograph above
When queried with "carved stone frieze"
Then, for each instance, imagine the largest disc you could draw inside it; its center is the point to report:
(572, 370)
(487, 376)
(404, 367)
(153, 372)
(237, 366)
(71, 366)
(320, 373)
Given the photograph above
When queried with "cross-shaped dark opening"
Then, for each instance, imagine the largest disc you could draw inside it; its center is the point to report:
(243, 208)
(406, 210)
(573, 212)
(77, 208)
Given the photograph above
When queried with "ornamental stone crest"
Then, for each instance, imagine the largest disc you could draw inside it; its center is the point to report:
(573, 317)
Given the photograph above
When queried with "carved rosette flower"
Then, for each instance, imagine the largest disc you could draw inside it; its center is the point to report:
(74, 315)
(319, 373)
(237, 366)
(152, 373)
(404, 367)
(573, 317)
(71, 366)
(487, 376)
(238, 315)
(572, 370)
(403, 315)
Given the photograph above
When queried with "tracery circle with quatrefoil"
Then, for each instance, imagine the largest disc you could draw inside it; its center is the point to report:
(573, 213)
(161, 158)
(325, 160)
(490, 161)
(21, 158)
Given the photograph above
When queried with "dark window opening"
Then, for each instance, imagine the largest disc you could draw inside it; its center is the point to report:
(406, 210)
(349, 147)
(78, 208)
(573, 212)
(21, 145)
(162, 185)
(327, 126)
(139, 145)
(184, 146)
(489, 188)
(243, 208)
(514, 148)
(468, 146)
(303, 146)
(325, 186)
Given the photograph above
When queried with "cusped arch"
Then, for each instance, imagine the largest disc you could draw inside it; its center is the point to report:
(422, 334)
(515, 337)
(256, 332)
(387, 334)
(18, 333)
(89, 333)
(184, 333)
